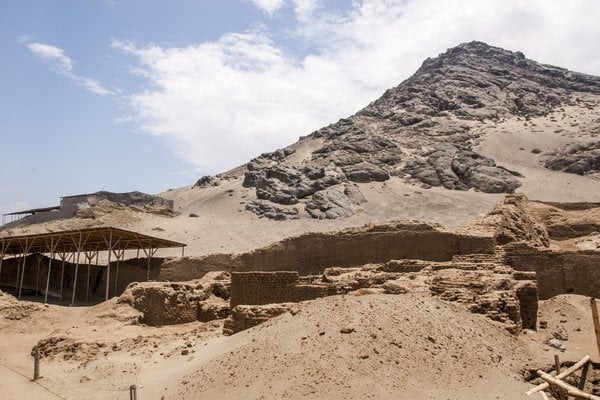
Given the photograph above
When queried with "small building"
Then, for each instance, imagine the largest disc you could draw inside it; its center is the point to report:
(69, 205)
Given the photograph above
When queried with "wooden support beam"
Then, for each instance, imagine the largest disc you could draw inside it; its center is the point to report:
(110, 247)
(78, 244)
(39, 257)
(120, 254)
(52, 250)
(567, 372)
(26, 249)
(571, 390)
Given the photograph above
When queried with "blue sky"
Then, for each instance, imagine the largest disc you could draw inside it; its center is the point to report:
(149, 95)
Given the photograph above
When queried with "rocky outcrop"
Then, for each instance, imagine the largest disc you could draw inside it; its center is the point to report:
(459, 169)
(287, 184)
(580, 159)
(335, 202)
(264, 208)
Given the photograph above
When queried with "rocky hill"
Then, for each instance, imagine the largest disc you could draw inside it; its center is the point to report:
(426, 131)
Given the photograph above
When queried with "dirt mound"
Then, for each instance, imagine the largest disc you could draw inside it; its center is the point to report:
(65, 348)
(375, 346)
(13, 309)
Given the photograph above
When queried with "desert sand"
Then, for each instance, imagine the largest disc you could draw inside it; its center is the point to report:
(399, 346)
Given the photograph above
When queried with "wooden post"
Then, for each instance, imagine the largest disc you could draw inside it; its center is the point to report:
(110, 248)
(62, 273)
(583, 378)
(596, 322)
(149, 259)
(37, 276)
(132, 392)
(76, 270)
(36, 363)
(557, 364)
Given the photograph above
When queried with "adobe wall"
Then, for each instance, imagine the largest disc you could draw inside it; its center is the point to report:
(558, 272)
(256, 288)
(188, 268)
(311, 253)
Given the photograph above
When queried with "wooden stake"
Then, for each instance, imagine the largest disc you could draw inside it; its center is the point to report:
(36, 363)
(132, 392)
(583, 378)
(596, 322)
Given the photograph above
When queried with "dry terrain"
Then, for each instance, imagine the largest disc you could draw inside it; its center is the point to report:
(425, 170)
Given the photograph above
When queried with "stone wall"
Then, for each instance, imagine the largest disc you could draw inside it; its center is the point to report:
(256, 288)
(558, 272)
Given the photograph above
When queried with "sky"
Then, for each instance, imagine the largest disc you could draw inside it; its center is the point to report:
(147, 95)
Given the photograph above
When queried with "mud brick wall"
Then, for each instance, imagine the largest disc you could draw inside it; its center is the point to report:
(256, 288)
(310, 254)
(245, 317)
(261, 287)
(558, 272)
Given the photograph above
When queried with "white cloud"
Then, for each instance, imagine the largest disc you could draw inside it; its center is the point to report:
(305, 8)
(220, 103)
(269, 6)
(63, 65)
(302, 8)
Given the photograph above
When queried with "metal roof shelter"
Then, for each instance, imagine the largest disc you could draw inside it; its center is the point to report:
(17, 215)
(89, 242)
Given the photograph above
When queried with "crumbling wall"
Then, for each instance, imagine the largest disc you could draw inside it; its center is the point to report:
(188, 268)
(170, 303)
(244, 316)
(515, 220)
(558, 272)
(164, 304)
(255, 288)
(312, 253)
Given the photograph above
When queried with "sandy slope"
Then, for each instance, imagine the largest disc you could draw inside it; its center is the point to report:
(400, 346)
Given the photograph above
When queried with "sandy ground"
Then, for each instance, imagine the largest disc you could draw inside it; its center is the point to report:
(399, 346)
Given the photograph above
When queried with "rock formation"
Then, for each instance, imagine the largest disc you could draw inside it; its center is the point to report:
(425, 131)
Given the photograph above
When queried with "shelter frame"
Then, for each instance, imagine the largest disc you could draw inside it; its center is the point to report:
(70, 244)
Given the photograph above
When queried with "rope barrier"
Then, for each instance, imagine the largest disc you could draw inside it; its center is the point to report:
(127, 389)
